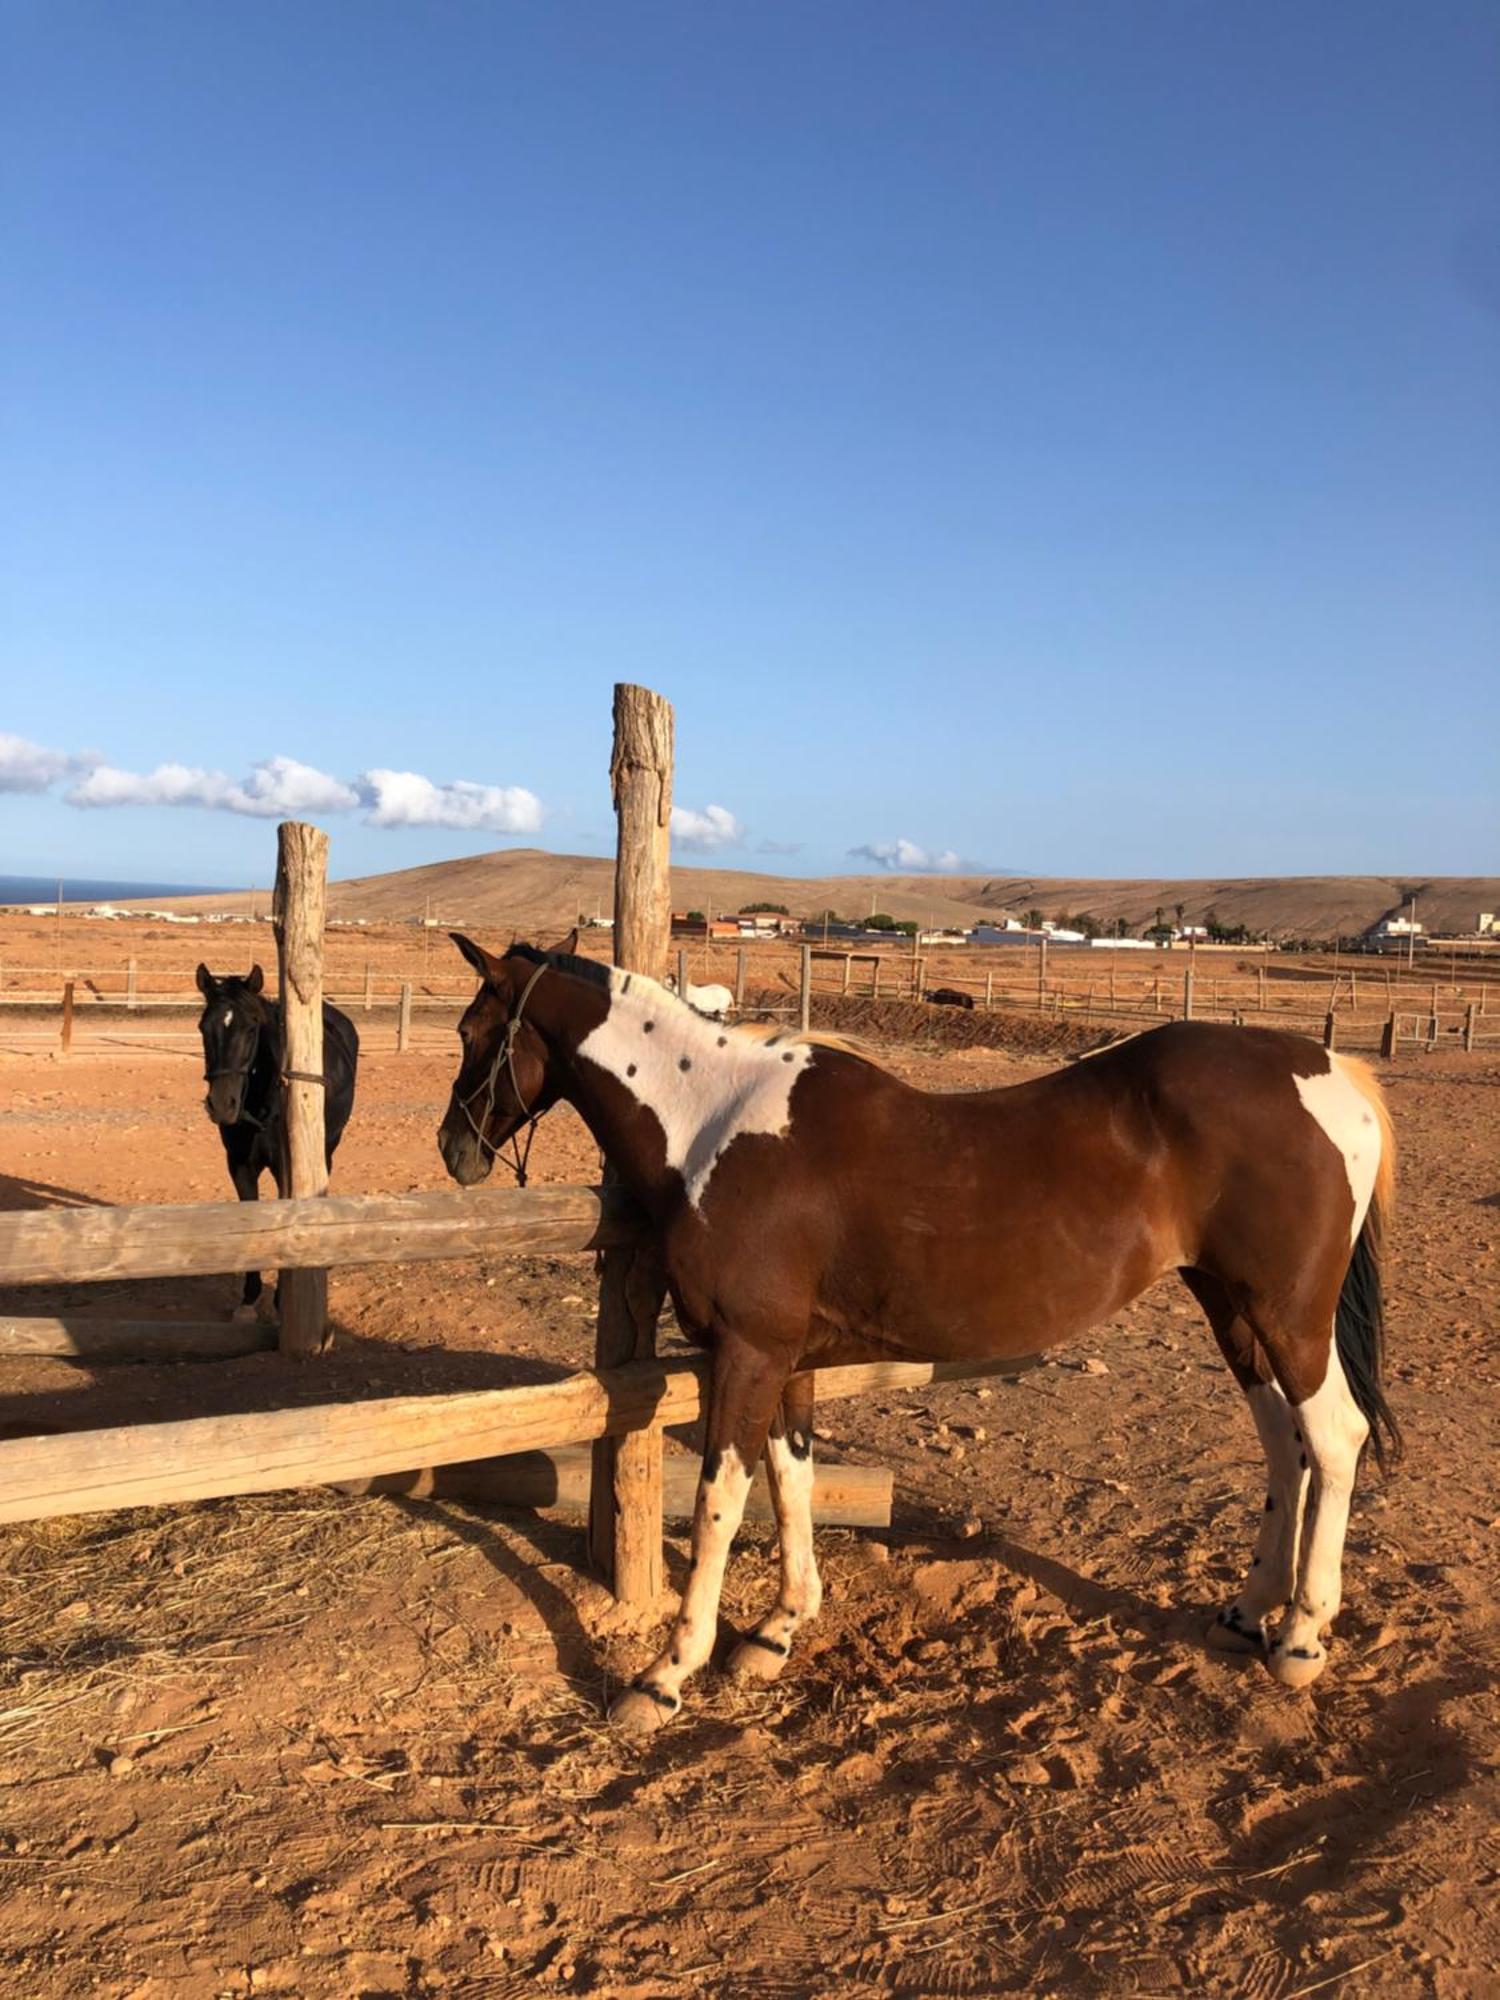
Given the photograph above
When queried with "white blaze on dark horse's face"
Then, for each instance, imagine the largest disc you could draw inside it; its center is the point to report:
(230, 1026)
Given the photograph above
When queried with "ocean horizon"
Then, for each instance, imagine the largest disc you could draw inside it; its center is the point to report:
(43, 889)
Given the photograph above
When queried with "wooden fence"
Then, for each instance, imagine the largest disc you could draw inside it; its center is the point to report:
(514, 1441)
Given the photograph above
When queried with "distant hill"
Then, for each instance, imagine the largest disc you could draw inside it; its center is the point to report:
(526, 891)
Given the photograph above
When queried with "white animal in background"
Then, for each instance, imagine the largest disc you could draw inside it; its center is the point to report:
(714, 1001)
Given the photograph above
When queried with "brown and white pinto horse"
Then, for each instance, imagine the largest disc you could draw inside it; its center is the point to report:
(814, 1209)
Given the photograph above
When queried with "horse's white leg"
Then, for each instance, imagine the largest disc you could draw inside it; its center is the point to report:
(1334, 1430)
(763, 1652)
(746, 1388)
(1241, 1626)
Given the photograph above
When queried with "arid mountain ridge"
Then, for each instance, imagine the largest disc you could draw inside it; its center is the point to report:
(525, 890)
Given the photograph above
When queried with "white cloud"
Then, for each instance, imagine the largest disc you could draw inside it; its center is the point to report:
(906, 857)
(714, 827)
(27, 767)
(404, 798)
(275, 789)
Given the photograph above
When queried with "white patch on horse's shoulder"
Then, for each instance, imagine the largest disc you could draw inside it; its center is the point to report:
(707, 1086)
(1342, 1110)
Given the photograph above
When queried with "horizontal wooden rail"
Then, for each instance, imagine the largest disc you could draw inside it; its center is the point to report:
(198, 1239)
(205, 1458)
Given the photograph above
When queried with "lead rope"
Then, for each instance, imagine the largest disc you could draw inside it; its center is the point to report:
(505, 1059)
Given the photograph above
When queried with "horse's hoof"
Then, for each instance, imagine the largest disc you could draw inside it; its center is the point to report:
(1296, 1666)
(639, 1712)
(1228, 1635)
(757, 1659)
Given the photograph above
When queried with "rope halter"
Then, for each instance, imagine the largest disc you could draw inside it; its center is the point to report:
(505, 1059)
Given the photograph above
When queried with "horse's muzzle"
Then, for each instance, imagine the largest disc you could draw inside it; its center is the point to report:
(466, 1160)
(225, 1100)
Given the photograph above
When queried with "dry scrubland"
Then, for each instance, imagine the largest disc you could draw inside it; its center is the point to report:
(1083, 994)
(320, 1746)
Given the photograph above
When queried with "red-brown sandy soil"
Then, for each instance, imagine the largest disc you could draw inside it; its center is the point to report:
(323, 1746)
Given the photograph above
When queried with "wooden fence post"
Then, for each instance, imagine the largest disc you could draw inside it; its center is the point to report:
(403, 1018)
(67, 1016)
(989, 990)
(1469, 1029)
(1330, 1029)
(1187, 994)
(130, 984)
(298, 908)
(625, 1491)
(1041, 974)
(369, 986)
(682, 973)
(1388, 1037)
(1262, 972)
(804, 995)
(739, 981)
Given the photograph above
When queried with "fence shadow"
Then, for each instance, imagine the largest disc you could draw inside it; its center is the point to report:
(104, 1395)
(23, 1191)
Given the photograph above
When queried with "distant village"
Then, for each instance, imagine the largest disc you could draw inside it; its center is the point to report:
(766, 921)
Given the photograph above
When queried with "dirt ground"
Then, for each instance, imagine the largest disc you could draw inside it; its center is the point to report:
(326, 1746)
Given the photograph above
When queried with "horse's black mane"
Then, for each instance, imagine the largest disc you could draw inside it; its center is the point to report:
(565, 961)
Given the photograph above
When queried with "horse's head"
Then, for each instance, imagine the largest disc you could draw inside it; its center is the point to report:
(231, 1022)
(504, 1078)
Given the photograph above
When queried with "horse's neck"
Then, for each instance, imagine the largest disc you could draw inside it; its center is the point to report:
(266, 1061)
(663, 1089)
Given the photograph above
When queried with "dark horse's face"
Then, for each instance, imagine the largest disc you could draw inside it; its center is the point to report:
(233, 1016)
(492, 1098)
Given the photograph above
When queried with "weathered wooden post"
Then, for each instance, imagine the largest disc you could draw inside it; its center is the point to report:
(989, 990)
(848, 962)
(1469, 1029)
(625, 1494)
(1187, 994)
(1330, 1028)
(67, 1016)
(1388, 1037)
(1041, 974)
(403, 1018)
(804, 994)
(1262, 972)
(369, 986)
(682, 973)
(297, 911)
(130, 970)
(739, 981)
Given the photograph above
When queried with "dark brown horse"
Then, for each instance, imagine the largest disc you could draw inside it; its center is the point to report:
(814, 1209)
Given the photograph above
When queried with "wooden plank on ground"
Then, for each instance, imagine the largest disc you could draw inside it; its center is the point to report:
(844, 1496)
(194, 1239)
(203, 1458)
(79, 1337)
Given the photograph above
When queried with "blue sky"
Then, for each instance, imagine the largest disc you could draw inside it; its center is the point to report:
(1052, 436)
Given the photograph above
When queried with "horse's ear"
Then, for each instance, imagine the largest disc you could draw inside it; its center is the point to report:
(565, 947)
(207, 984)
(256, 980)
(477, 956)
